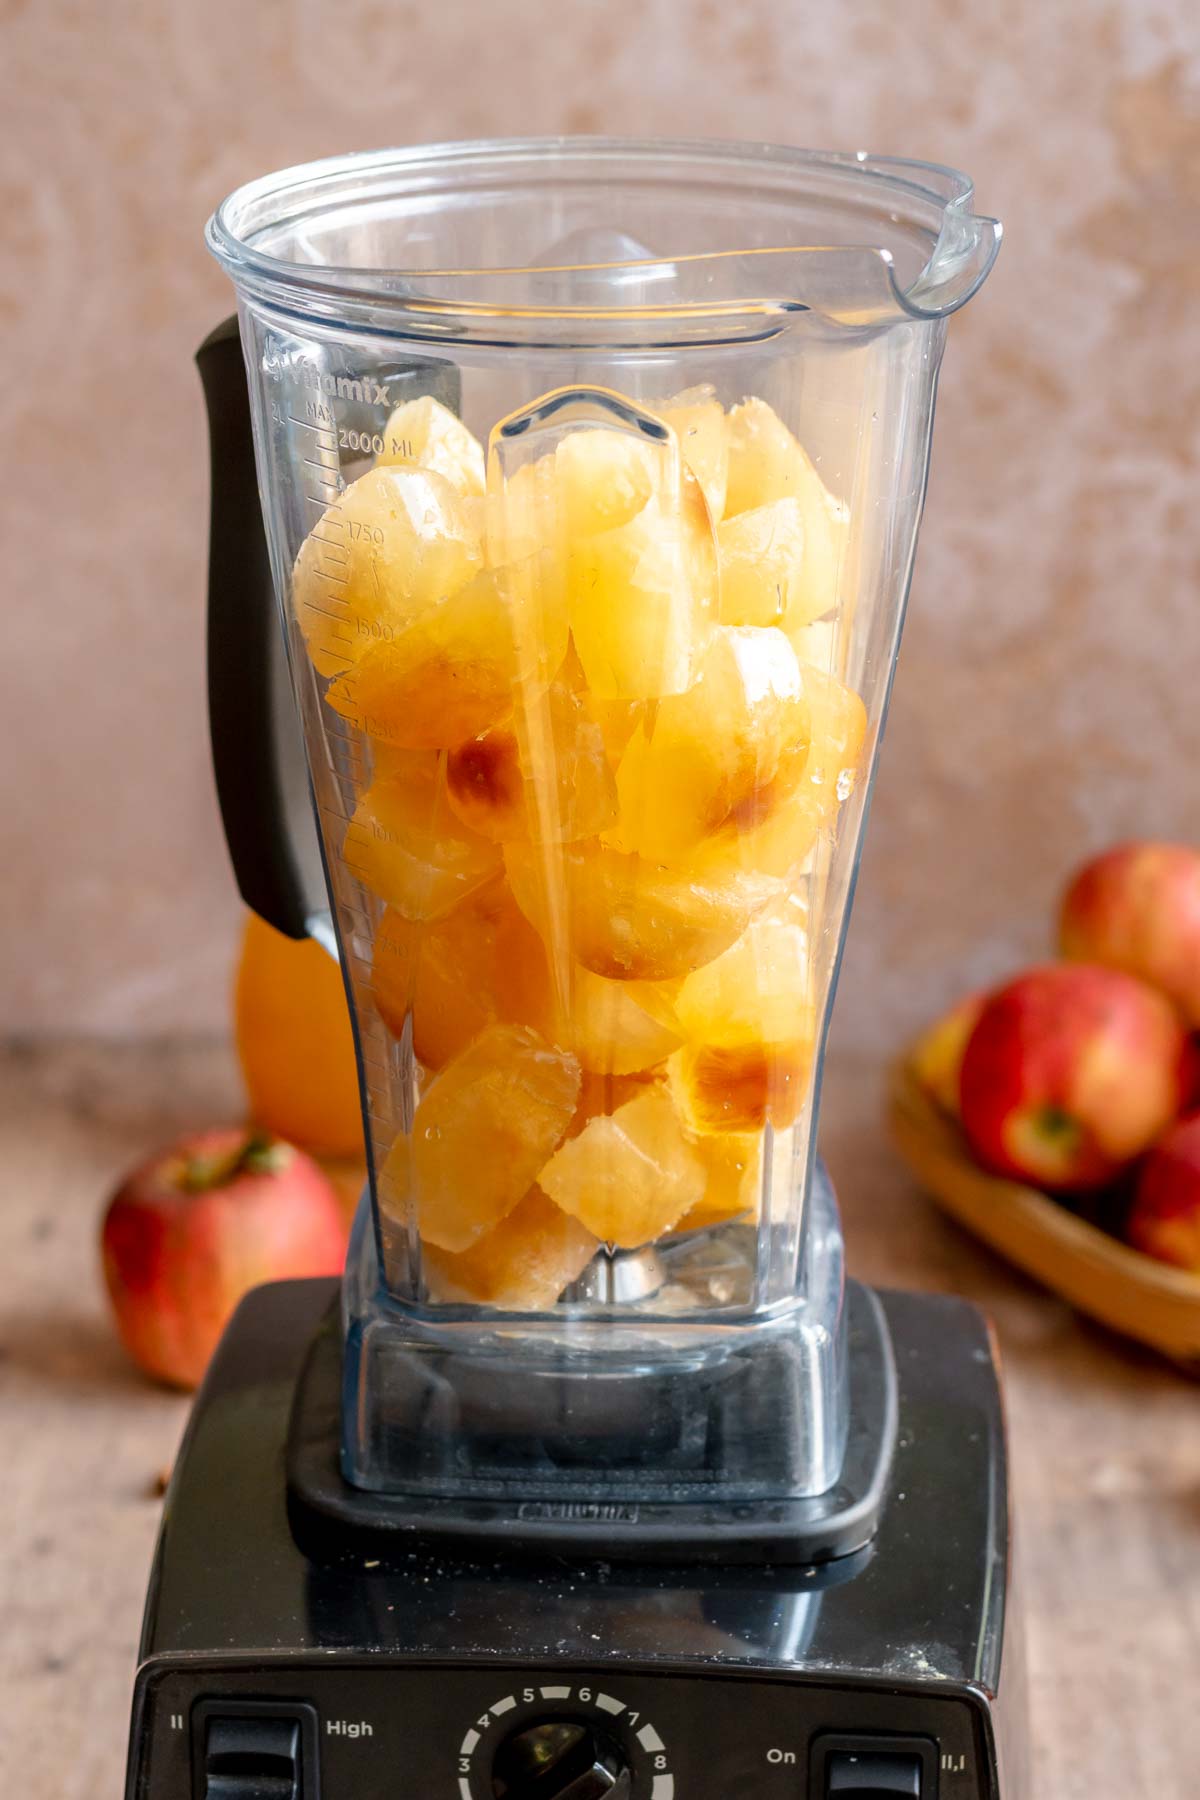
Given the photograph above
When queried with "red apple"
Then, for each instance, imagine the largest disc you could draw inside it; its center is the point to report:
(1070, 1073)
(1137, 908)
(938, 1053)
(1164, 1220)
(189, 1233)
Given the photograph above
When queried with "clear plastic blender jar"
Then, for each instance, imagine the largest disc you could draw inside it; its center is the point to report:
(592, 474)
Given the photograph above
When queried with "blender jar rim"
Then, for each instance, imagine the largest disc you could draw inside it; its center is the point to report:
(927, 200)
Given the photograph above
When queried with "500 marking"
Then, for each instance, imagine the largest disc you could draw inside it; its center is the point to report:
(662, 1786)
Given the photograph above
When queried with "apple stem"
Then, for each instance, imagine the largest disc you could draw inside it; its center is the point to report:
(258, 1154)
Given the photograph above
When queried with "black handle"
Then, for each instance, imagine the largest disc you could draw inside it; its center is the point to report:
(248, 724)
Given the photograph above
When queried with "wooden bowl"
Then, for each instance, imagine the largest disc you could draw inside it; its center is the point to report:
(1124, 1289)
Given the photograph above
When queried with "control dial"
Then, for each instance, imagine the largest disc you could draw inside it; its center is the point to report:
(560, 1759)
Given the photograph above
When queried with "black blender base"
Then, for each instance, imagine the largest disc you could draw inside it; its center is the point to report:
(329, 1514)
(417, 1674)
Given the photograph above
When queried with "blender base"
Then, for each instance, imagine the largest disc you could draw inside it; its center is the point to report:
(582, 1521)
(588, 1422)
(404, 1672)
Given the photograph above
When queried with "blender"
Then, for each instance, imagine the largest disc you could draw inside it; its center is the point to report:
(591, 474)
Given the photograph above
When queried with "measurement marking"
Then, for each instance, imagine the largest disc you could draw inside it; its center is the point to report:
(663, 1788)
(556, 1693)
(649, 1739)
(333, 544)
(468, 1744)
(607, 1704)
(308, 424)
(464, 1787)
(338, 618)
(505, 1705)
(323, 467)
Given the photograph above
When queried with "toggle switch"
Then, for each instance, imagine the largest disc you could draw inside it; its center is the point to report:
(254, 1750)
(253, 1759)
(872, 1775)
(864, 1766)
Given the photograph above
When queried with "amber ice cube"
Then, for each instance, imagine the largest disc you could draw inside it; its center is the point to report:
(521, 1265)
(482, 1133)
(394, 544)
(629, 1175)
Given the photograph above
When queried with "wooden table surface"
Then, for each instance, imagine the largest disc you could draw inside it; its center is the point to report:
(1106, 1446)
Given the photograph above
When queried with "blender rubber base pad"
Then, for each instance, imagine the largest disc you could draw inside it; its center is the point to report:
(373, 1668)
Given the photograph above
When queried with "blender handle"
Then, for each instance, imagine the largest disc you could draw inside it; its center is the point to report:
(243, 634)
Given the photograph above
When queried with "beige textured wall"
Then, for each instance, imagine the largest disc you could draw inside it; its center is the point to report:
(1047, 695)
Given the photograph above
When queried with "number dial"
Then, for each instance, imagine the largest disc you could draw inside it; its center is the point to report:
(560, 1759)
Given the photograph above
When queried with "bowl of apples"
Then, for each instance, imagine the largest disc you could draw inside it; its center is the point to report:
(1057, 1116)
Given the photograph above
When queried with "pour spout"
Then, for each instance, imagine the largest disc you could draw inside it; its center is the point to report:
(966, 250)
(967, 242)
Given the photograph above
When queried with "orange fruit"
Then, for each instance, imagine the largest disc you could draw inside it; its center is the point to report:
(295, 1044)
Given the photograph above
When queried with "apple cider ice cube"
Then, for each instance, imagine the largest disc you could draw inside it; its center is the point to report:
(629, 1175)
(604, 478)
(641, 595)
(396, 542)
(740, 1087)
(607, 1029)
(483, 1130)
(481, 964)
(526, 548)
(766, 462)
(762, 556)
(626, 918)
(424, 434)
(698, 421)
(709, 751)
(733, 1164)
(803, 541)
(758, 991)
(839, 729)
(520, 1265)
(604, 1093)
(404, 844)
(447, 673)
(773, 832)
(543, 776)
(749, 1023)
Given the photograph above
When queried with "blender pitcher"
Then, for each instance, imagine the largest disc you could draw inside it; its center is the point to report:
(591, 474)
